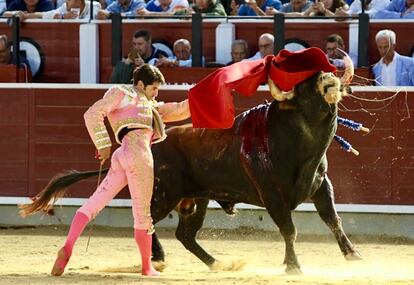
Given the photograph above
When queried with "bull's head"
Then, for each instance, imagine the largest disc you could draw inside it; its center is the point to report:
(330, 87)
(333, 88)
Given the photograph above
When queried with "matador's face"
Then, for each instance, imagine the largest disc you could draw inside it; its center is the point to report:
(150, 91)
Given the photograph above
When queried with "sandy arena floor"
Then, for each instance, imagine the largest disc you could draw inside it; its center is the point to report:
(27, 255)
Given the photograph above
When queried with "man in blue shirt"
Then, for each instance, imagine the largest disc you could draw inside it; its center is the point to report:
(393, 69)
(258, 7)
(397, 9)
(124, 7)
(166, 6)
(27, 9)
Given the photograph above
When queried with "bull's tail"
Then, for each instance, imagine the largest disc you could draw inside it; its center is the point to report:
(55, 189)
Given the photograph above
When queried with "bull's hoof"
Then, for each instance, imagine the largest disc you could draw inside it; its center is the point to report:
(222, 266)
(293, 270)
(217, 266)
(353, 255)
(159, 265)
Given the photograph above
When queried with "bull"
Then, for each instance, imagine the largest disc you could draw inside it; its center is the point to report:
(274, 156)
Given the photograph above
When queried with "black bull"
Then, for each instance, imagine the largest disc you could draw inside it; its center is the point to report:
(274, 156)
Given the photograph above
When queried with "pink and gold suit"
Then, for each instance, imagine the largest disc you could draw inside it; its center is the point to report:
(132, 163)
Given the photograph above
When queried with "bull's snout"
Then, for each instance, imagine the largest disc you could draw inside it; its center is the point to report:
(330, 88)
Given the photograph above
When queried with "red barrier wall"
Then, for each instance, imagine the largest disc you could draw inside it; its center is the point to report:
(43, 133)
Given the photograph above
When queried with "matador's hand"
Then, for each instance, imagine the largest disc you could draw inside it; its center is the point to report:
(104, 154)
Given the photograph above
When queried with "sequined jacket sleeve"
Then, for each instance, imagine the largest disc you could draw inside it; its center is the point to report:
(174, 111)
(95, 115)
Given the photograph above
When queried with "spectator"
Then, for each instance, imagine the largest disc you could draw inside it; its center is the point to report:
(124, 7)
(335, 57)
(3, 6)
(208, 8)
(73, 9)
(266, 46)
(293, 8)
(371, 7)
(182, 58)
(392, 69)
(325, 8)
(142, 41)
(164, 7)
(397, 9)
(58, 3)
(28, 9)
(142, 52)
(239, 51)
(104, 3)
(257, 7)
(6, 55)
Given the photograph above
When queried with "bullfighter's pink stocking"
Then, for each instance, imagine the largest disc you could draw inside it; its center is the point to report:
(144, 242)
(79, 223)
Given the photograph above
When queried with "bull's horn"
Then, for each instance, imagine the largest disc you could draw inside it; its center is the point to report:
(277, 94)
(349, 69)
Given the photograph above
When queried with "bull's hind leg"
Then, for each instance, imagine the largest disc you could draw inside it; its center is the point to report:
(187, 229)
(283, 219)
(324, 203)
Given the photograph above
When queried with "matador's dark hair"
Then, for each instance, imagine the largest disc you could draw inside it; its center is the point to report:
(148, 74)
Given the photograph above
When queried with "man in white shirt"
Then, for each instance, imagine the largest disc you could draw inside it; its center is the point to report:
(371, 7)
(392, 69)
(266, 46)
(163, 7)
(73, 9)
(3, 6)
(182, 56)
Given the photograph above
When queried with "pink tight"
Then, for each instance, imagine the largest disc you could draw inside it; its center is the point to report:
(131, 164)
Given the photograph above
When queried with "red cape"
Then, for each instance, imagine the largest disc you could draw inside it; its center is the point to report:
(211, 102)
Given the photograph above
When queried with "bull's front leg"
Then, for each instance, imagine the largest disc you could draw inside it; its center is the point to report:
(283, 219)
(324, 203)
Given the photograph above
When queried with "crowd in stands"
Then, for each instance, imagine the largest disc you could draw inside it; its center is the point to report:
(79, 9)
(392, 69)
(385, 71)
(144, 51)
